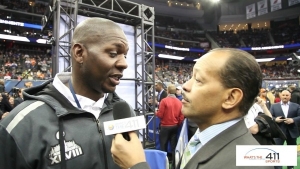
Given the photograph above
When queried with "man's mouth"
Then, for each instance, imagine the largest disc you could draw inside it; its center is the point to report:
(184, 97)
(115, 79)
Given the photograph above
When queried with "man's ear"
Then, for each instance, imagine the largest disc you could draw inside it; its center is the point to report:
(78, 50)
(233, 97)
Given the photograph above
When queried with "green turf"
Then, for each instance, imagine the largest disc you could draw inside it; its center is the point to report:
(298, 158)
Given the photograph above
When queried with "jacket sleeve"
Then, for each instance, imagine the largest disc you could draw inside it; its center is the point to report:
(181, 118)
(161, 110)
(10, 155)
(297, 118)
(272, 111)
(143, 165)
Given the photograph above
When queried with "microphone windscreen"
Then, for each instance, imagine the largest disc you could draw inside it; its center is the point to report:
(121, 110)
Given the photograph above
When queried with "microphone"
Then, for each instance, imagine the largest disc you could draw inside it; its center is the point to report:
(121, 110)
(123, 121)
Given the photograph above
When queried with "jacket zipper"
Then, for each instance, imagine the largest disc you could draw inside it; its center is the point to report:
(104, 147)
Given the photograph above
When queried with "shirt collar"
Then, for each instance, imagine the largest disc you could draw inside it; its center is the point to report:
(212, 131)
(171, 95)
(63, 78)
(288, 103)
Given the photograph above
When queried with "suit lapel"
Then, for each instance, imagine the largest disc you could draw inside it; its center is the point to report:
(211, 148)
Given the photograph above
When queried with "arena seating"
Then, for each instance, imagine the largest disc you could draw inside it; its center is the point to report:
(16, 58)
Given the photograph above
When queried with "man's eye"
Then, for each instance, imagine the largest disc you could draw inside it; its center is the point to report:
(113, 54)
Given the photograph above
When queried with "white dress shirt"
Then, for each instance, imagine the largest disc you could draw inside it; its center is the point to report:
(252, 114)
(87, 104)
(285, 108)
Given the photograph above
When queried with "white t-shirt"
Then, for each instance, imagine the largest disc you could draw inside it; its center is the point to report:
(252, 113)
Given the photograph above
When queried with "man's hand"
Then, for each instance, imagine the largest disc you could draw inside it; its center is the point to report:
(4, 115)
(288, 121)
(279, 119)
(260, 102)
(127, 153)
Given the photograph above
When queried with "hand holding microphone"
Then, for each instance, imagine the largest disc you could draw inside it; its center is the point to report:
(126, 147)
(127, 153)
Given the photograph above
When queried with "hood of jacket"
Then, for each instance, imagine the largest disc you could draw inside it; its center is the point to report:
(47, 88)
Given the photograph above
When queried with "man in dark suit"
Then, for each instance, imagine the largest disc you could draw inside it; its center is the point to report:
(161, 93)
(287, 115)
(219, 94)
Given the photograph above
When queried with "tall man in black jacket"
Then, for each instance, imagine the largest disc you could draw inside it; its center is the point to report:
(60, 123)
(295, 94)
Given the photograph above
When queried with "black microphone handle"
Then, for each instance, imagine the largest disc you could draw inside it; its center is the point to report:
(126, 136)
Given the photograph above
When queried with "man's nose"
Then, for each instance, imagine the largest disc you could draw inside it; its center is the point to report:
(122, 63)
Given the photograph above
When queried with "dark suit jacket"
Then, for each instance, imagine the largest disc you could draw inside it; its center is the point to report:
(219, 152)
(162, 95)
(294, 112)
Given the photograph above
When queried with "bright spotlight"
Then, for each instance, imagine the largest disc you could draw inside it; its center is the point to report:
(215, 1)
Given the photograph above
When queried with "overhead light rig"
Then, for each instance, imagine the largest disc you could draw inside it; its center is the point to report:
(185, 3)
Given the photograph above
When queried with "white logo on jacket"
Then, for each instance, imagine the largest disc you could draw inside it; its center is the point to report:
(72, 150)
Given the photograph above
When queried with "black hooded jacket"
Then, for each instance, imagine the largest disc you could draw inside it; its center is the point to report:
(295, 96)
(30, 136)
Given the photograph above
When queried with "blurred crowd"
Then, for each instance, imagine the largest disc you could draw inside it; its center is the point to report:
(33, 62)
(24, 6)
(178, 72)
(10, 100)
(25, 62)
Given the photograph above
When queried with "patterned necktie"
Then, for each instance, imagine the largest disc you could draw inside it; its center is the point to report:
(190, 150)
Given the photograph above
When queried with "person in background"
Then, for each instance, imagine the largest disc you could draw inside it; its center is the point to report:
(28, 84)
(222, 88)
(287, 115)
(178, 93)
(270, 95)
(170, 120)
(5, 105)
(11, 101)
(263, 96)
(192, 128)
(258, 107)
(2, 86)
(277, 97)
(295, 94)
(19, 98)
(60, 122)
(161, 93)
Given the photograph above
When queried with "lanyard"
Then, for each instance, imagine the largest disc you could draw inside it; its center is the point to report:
(73, 93)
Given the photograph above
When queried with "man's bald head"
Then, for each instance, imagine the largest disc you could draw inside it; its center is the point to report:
(93, 30)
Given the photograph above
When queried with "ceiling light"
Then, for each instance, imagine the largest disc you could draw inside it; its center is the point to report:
(265, 59)
(170, 57)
